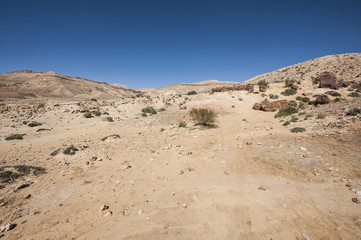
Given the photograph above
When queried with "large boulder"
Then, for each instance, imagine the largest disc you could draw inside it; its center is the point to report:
(322, 99)
(256, 106)
(276, 105)
(329, 80)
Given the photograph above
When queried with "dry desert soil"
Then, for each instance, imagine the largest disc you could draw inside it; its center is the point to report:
(142, 176)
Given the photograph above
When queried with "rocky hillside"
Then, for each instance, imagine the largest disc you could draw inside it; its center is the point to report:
(345, 66)
(26, 83)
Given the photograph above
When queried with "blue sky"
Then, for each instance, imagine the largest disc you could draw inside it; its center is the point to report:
(158, 43)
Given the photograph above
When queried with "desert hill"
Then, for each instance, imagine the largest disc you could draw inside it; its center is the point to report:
(345, 66)
(26, 83)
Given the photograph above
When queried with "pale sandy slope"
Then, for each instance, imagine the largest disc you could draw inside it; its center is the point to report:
(216, 197)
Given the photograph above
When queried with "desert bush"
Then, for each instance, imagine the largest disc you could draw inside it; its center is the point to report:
(105, 113)
(354, 94)
(292, 103)
(303, 99)
(321, 116)
(97, 113)
(353, 112)
(265, 101)
(110, 136)
(294, 119)
(54, 153)
(336, 94)
(162, 130)
(93, 99)
(10, 173)
(286, 112)
(14, 137)
(41, 105)
(110, 119)
(25, 122)
(70, 150)
(144, 114)
(34, 124)
(203, 116)
(240, 99)
(150, 110)
(286, 123)
(289, 83)
(161, 110)
(297, 130)
(311, 103)
(192, 93)
(289, 92)
(87, 115)
(262, 82)
(42, 129)
(182, 124)
(272, 96)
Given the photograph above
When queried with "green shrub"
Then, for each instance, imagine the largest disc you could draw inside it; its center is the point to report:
(297, 130)
(110, 136)
(309, 115)
(192, 93)
(144, 115)
(353, 112)
(321, 116)
(286, 112)
(14, 172)
(336, 94)
(54, 153)
(182, 124)
(162, 130)
(262, 82)
(301, 113)
(203, 116)
(25, 122)
(41, 105)
(161, 110)
(354, 94)
(286, 123)
(93, 99)
(110, 119)
(42, 129)
(15, 136)
(292, 103)
(289, 92)
(70, 150)
(311, 103)
(271, 96)
(97, 113)
(294, 119)
(34, 124)
(150, 110)
(87, 115)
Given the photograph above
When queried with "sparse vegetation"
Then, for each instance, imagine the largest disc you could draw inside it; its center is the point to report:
(162, 130)
(192, 93)
(54, 153)
(240, 99)
(97, 113)
(321, 116)
(34, 124)
(286, 123)
(150, 110)
(303, 99)
(110, 119)
(297, 130)
(9, 174)
(354, 94)
(110, 136)
(15, 136)
(161, 110)
(144, 114)
(286, 112)
(353, 112)
(42, 129)
(336, 94)
(41, 105)
(262, 82)
(289, 83)
(87, 115)
(289, 92)
(182, 124)
(25, 122)
(292, 103)
(271, 96)
(93, 99)
(308, 115)
(70, 150)
(203, 116)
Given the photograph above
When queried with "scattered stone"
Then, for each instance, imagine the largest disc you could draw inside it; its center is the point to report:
(21, 186)
(108, 213)
(303, 149)
(355, 200)
(322, 99)
(140, 212)
(358, 193)
(261, 188)
(27, 196)
(306, 236)
(103, 207)
(180, 172)
(94, 158)
(7, 227)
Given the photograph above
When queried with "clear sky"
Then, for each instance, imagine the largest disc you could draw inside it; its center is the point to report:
(151, 43)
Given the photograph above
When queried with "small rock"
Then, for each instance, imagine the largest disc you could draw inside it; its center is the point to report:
(355, 200)
(261, 188)
(108, 213)
(306, 236)
(103, 207)
(185, 205)
(180, 172)
(259, 143)
(358, 193)
(7, 227)
(303, 149)
(140, 212)
(27, 196)
(94, 158)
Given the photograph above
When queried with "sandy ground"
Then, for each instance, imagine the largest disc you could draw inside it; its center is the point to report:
(248, 178)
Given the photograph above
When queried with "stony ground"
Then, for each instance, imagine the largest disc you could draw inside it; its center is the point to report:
(248, 178)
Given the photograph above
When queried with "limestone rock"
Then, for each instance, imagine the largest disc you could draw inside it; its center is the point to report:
(276, 105)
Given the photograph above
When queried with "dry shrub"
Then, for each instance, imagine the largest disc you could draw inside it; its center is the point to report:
(203, 116)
